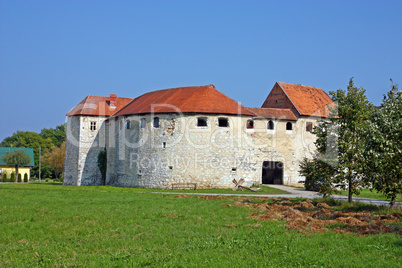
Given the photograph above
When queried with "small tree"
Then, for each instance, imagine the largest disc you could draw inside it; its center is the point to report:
(19, 177)
(4, 177)
(16, 158)
(349, 119)
(12, 177)
(54, 159)
(25, 177)
(383, 146)
(102, 163)
(318, 176)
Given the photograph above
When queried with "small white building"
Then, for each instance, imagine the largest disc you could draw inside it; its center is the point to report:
(193, 135)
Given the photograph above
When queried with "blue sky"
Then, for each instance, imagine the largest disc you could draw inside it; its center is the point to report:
(54, 53)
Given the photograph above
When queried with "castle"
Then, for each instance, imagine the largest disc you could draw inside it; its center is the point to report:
(193, 135)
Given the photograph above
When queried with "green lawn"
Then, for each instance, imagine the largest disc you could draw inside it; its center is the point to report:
(366, 193)
(50, 225)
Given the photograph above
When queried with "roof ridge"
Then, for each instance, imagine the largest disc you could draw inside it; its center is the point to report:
(299, 85)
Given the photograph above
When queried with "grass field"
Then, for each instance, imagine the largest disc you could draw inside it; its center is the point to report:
(372, 194)
(50, 225)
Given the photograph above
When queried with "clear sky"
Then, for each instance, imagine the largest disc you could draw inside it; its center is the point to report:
(54, 53)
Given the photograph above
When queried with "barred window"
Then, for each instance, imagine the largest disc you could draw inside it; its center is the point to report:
(93, 126)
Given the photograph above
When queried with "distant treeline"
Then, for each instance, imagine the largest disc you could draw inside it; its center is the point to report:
(52, 144)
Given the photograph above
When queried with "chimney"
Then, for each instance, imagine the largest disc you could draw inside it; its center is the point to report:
(113, 101)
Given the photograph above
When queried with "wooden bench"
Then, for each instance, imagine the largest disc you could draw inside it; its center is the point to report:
(184, 185)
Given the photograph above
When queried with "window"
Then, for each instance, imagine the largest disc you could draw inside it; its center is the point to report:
(223, 122)
(250, 124)
(156, 122)
(93, 126)
(202, 122)
(164, 144)
(271, 125)
(309, 126)
(128, 124)
(289, 126)
(143, 123)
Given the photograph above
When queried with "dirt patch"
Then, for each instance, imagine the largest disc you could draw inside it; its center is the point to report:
(309, 216)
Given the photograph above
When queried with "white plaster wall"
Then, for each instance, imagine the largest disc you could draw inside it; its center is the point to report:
(205, 155)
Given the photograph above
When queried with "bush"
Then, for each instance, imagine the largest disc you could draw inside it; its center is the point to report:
(12, 177)
(4, 177)
(318, 176)
(25, 177)
(19, 177)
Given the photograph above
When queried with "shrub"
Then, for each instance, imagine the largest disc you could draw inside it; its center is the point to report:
(4, 177)
(19, 177)
(318, 176)
(12, 177)
(25, 177)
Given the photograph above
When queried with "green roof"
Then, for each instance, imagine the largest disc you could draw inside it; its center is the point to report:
(28, 151)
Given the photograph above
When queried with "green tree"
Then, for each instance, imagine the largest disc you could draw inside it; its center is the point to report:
(383, 146)
(318, 175)
(26, 139)
(347, 122)
(56, 135)
(16, 158)
(102, 163)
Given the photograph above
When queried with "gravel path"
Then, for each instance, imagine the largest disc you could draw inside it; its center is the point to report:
(298, 192)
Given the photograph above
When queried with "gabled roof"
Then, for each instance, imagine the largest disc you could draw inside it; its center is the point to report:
(273, 113)
(309, 101)
(28, 151)
(98, 105)
(202, 99)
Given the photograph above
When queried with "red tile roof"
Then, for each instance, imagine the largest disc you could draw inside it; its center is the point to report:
(202, 99)
(309, 101)
(97, 105)
(274, 113)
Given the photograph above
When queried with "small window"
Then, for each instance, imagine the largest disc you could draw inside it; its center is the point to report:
(309, 126)
(143, 123)
(289, 126)
(156, 122)
(234, 169)
(164, 144)
(271, 125)
(223, 122)
(128, 124)
(202, 122)
(93, 125)
(170, 167)
(250, 124)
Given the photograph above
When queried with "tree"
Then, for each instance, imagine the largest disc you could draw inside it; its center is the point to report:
(54, 158)
(348, 120)
(383, 147)
(16, 158)
(102, 163)
(26, 139)
(56, 135)
(318, 176)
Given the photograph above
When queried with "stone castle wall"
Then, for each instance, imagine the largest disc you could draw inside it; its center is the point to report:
(82, 148)
(212, 156)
